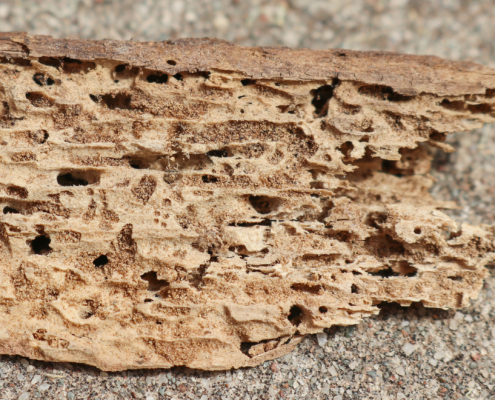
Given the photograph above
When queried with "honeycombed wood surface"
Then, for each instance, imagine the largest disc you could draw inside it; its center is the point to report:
(198, 203)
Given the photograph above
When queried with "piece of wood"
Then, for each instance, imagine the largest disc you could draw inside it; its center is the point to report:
(198, 203)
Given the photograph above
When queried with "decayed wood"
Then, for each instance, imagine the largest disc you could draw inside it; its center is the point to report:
(198, 203)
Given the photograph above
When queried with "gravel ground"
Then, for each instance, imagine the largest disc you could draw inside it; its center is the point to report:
(404, 353)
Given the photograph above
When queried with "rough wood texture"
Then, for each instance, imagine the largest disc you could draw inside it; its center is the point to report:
(198, 203)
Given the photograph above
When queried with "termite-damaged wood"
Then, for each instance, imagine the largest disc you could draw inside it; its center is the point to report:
(198, 203)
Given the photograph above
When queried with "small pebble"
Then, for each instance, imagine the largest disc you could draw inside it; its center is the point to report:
(287, 358)
(221, 23)
(459, 316)
(353, 365)
(35, 379)
(325, 389)
(322, 338)
(23, 396)
(43, 387)
(408, 349)
(30, 368)
(162, 379)
(182, 388)
(433, 362)
(274, 367)
(453, 325)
